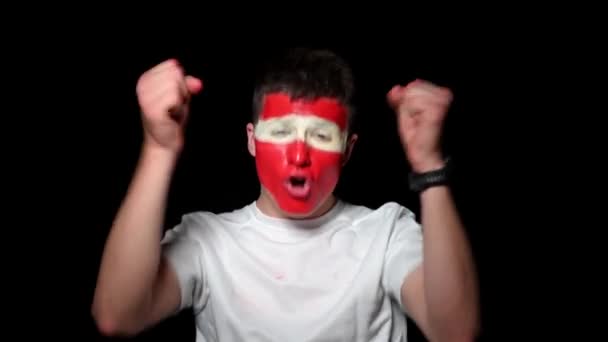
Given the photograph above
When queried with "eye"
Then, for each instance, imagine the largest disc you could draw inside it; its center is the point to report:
(322, 136)
(280, 132)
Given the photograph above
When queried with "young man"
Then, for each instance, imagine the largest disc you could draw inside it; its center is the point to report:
(297, 264)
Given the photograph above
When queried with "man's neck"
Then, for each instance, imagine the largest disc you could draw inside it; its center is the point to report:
(268, 207)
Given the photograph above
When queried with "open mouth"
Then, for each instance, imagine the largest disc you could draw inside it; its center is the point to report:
(298, 187)
(297, 181)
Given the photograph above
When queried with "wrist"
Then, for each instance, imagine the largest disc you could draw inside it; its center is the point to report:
(430, 174)
(428, 165)
(153, 153)
(432, 191)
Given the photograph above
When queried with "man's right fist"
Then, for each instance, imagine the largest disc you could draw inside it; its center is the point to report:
(163, 93)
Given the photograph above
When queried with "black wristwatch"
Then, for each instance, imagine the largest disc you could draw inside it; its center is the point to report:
(422, 181)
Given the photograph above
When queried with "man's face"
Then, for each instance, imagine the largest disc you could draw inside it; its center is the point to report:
(299, 149)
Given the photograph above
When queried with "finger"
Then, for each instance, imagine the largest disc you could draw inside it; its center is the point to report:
(193, 84)
(394, 95)
(161, 91)
(424, 95)
(407, 121)
(185, 86)
(154, 84)
(166, 103)
(178, 100)
(425, 87)
(428, 90)
(179, 110)
(438, 94)
(168, 73)
(415, 104)
(183, 90)
(160, 83)
(164, 66)
(409, 110)
(152, 76)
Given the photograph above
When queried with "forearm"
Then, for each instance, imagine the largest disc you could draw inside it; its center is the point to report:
(449, 274)
(132, 252)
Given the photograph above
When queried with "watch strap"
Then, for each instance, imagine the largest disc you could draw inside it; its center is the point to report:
(422, 181)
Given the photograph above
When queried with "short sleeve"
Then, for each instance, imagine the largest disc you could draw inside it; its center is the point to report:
(404, 253)
(184, 253)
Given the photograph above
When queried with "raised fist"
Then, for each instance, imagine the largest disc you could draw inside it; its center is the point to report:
(163, 94)
(421, 108)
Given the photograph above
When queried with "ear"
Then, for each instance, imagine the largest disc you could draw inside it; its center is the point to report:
(350, 145)
(251, 139)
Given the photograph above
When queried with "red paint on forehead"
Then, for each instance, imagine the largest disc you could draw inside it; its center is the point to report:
(279, 104)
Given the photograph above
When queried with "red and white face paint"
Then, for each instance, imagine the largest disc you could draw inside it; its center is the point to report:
(299, 150)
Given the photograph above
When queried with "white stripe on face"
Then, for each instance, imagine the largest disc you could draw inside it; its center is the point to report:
(317, 132)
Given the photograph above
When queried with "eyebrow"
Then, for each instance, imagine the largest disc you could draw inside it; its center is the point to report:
(322, 124)
(315, 123)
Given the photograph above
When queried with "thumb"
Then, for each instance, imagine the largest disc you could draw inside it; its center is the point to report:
(394, 96)
(194, 84)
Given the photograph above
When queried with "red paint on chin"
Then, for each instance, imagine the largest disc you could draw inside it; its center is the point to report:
(276, 163)
(279, 104)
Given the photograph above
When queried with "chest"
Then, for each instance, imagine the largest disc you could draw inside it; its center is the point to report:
(333, 279)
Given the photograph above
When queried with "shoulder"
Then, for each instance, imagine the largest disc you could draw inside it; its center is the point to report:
(199, 224)
(237, 216)
(389, 221)
(389, 212)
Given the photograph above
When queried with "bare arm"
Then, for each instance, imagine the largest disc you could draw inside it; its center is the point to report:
(134, 288)
(441, 295)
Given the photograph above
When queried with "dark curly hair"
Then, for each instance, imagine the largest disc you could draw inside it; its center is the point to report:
(306, 73)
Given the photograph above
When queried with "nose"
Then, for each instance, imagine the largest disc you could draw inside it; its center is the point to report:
(298, 154)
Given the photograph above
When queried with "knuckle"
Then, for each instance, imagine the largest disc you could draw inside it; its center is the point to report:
(179, 76)
(141, 81)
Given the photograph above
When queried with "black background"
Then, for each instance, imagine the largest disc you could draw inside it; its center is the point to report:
(216, 172)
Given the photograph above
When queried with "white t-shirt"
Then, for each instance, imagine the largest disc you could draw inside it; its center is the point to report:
(251, 277)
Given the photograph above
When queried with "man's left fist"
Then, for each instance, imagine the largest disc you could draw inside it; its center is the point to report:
(421, 108)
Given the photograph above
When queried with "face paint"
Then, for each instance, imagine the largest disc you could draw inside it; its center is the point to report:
(299, 149)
